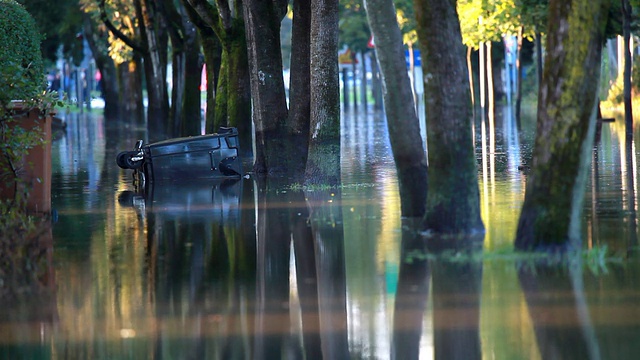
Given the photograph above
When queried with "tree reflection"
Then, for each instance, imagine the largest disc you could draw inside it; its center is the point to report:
(456, 290)
(456, 301)
(326, 223)
(272, 286)
(28, 297)
(630, 185)
(555, 296)
(412, 294)
(200, 268)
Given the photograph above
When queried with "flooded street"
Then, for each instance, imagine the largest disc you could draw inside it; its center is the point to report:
(252, 270)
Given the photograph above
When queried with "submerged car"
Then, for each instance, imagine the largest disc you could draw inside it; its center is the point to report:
(211, 156)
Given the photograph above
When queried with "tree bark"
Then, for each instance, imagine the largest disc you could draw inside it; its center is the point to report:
(626, 33)
(155, 41)
(212, 51)
(402, 120)
(98, 43)
(185, 95)
(519, 75)
(323, 163)
(130, 89)
(191, 114)
(453, 199)
(299, 90)
(471, 85)
(539, 67)
(229, 60)
(551, 212)
(262, 21)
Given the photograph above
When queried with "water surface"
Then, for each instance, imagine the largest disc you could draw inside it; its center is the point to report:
(247, 269)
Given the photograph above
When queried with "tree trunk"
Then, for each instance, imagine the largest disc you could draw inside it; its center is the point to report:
(470, 75)
(299, 90)
(239, 89)
(539, 68)
(323, 163)
(155, 65)
(354, 70)
(178, 69)
(551, 212)
(482, 79)
(190, 114)
(262, 22)
(490, 88)
(453, 199)
(185, 117)
(222, 91)
(626, 33)
(519, 75)
(130, 89)
(98, 43)
(212, 51)
(363, 89)
(228, 60)
(376, 82)
(402, 120)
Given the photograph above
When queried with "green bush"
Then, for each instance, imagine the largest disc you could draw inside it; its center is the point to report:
(21, 78)
(21, 65)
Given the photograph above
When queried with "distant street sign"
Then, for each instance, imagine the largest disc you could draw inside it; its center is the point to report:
(345, 57)
(417, 58)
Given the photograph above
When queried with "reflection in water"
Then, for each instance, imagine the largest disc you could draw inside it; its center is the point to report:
(327, 226)
(412, 295)
(557, 304)
(630, 189)
(456, 293)
(457, 288)
(253, 269)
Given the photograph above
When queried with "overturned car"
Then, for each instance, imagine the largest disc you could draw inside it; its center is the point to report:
(211, 156)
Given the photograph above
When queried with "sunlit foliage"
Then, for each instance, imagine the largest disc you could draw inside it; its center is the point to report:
(482, 20)
(121, 13)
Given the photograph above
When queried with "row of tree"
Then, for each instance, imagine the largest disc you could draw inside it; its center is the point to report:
(240, 43)
(567, 104)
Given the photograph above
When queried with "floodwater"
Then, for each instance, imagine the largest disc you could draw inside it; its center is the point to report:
(248, 270)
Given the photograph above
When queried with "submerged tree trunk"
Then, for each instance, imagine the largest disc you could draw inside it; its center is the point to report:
(453, 199)
(490, 88)
(185, 95)
(323, 163)
(228, 59)
(376, 82)
(519, 75)
(191, 114)
(130, 90)
(299, 90)
(97, 39)
(539, 68)
(626, 32)
(471, 85)
(402, 120)
(552, 206)
(262, 19)
(212, 51)
(155, 41)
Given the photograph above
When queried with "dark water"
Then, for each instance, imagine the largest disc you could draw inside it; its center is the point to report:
(247, 269)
